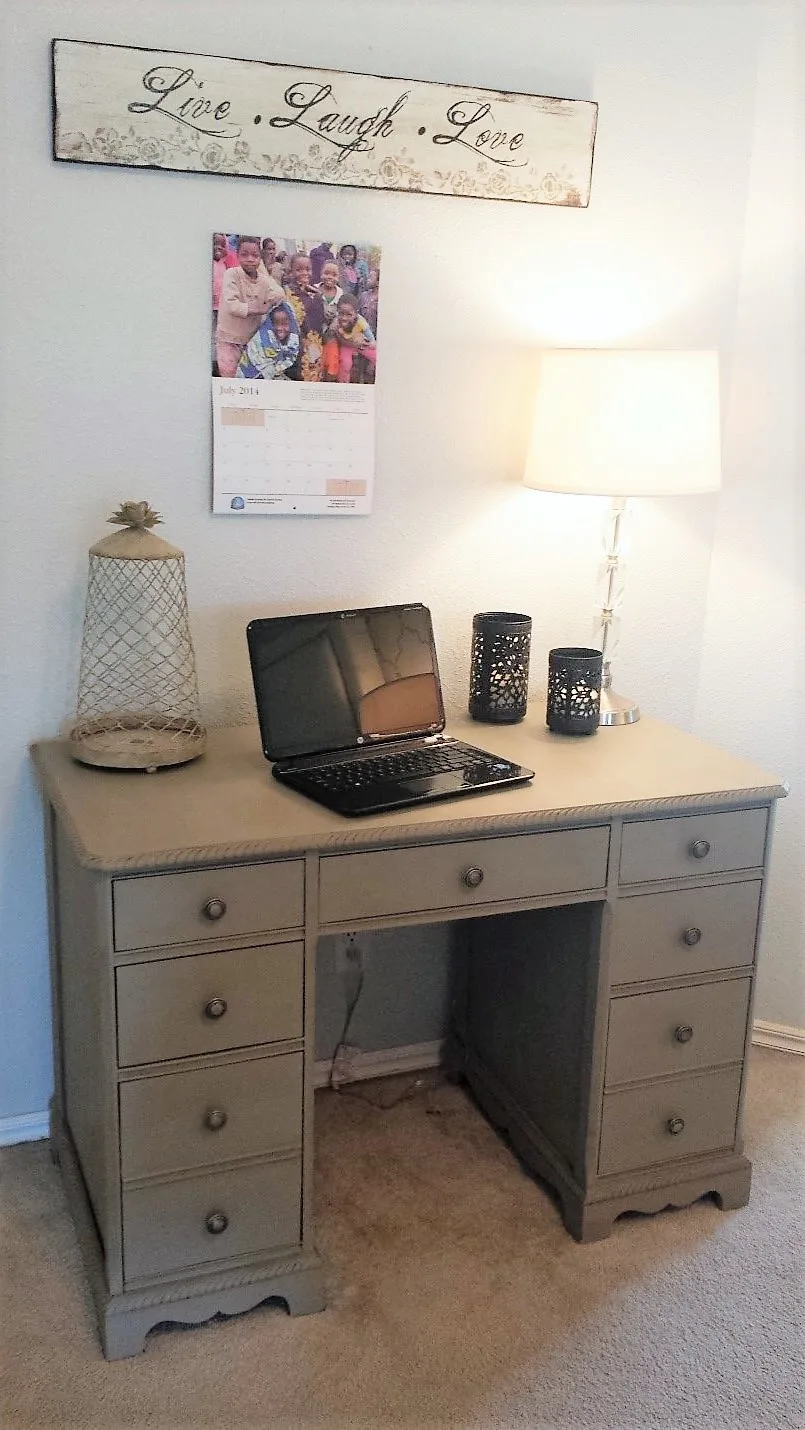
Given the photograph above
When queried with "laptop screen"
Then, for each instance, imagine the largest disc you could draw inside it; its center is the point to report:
(341, 679)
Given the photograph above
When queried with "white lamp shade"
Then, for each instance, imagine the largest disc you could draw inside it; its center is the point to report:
(615, 423)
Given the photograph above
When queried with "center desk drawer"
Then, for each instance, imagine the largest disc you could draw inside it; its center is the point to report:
(462, 874)
(692, 844)
(155, 909)
(208, 1002)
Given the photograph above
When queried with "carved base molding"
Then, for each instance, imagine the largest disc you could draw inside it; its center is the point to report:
(593, 1220)
(124, 1325)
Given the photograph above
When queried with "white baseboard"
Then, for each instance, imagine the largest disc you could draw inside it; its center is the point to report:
(775, 1035)
(385, 1063)
(32, 1127)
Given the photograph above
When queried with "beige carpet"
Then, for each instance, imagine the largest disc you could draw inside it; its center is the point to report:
(456, 1298)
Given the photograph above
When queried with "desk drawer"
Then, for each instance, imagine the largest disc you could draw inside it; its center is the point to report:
(155, 909)
(172, 1008)
(441, 876)
(165, 1226)
(636, 1128)
(210, 1115)
(677, 1030)
(692, 844)
(685, 931)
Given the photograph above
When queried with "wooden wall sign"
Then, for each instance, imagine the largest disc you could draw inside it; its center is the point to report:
(159, 109)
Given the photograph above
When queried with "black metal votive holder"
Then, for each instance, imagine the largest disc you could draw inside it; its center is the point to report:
(501, 646)
(574, 690)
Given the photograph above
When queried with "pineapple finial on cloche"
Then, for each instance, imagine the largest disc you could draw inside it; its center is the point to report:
(137, 540)
(139, 515)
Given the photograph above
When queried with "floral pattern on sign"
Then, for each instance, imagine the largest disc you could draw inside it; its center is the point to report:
(399, 172)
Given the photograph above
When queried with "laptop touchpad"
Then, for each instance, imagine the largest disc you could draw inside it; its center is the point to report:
(435, 784)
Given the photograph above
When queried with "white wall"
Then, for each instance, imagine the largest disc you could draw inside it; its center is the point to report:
(753, 652)
(105, 379)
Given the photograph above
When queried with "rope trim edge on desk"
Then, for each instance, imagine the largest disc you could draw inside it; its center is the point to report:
(360, 837)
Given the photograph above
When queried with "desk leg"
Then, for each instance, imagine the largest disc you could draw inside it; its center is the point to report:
(125, 1318)
(729, 1185)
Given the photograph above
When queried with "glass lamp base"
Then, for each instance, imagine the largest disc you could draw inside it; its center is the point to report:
(617, 709)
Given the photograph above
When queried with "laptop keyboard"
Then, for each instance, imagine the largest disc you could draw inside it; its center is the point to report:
(400, 765)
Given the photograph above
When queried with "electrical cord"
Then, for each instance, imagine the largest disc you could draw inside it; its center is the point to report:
(351, 1006)
(380, 1104)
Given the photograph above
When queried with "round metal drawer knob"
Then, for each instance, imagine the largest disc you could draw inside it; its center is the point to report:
(214, 909)
(691, 937)
(675, 1125)
(216, 1223)
(215, 1118)
(472, 877)
(215, 1008)
(683, 1033)
(699, 848)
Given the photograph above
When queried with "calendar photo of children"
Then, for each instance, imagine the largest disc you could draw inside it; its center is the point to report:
(294, 310)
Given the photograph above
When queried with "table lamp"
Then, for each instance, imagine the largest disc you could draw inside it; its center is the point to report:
(621, 424)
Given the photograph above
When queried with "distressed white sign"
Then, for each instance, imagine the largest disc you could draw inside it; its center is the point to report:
(160, 109)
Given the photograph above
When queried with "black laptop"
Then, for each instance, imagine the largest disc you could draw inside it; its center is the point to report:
(351, 712)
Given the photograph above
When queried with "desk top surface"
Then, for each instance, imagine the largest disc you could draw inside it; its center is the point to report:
(225, 806)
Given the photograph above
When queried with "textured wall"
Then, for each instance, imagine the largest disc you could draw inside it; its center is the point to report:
(105, 380)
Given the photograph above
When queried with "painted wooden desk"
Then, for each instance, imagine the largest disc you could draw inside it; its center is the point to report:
(608, 915)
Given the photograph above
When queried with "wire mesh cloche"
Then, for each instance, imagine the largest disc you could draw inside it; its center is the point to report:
(137, 689)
